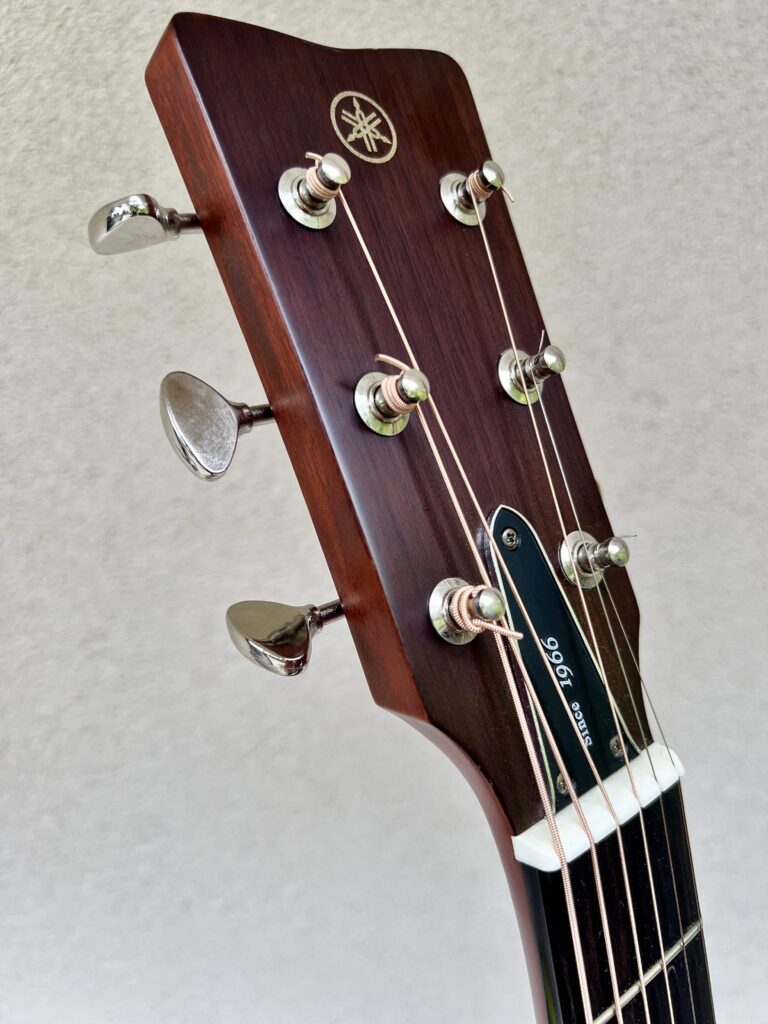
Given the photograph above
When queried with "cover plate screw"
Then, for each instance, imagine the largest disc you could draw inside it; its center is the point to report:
(510, 538)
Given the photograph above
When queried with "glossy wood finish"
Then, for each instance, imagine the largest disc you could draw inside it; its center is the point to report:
(239, 105)
(235, 103)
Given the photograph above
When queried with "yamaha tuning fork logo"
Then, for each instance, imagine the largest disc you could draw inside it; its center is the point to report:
(364, 127)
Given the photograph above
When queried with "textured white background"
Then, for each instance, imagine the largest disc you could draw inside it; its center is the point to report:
(186, 840)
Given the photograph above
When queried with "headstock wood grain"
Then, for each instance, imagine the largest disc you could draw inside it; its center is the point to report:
(241, 104)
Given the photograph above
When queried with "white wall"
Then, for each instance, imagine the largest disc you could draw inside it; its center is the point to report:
(189, 841)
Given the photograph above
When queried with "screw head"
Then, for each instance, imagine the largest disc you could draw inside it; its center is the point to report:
(510, 538)
(413, 386)
(335, 170)
(492, 175)
(615, 748)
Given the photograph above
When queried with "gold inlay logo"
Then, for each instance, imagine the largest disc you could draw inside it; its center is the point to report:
(364, 127)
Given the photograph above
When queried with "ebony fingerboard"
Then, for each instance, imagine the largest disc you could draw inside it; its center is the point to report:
(679, 914)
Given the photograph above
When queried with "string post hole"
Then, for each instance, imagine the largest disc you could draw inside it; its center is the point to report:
(308, 194)
(522, 376)
(584, 560)
(459, 612)
(465, 195)
(384, 401)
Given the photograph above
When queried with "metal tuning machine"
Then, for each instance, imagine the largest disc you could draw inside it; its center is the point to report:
(308, 194)
(278, 637)
(202, 426)
(584, 560)
(523, 376)
(385, 401)
(457, 191)
(136, 222)
(485, 605)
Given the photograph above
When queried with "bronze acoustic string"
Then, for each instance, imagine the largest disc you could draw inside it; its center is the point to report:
(536, 768)
(471, 187)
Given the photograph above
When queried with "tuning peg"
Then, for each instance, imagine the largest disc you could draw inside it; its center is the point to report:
(584, 560)
(523, 376)
(608, 553)
(278, 637)
(308, 194)
(136, 222)
(202, 425)
(457, 192)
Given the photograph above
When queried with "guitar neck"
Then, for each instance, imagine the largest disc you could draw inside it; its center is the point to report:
(679, 919)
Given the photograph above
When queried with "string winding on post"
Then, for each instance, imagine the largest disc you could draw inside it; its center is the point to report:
(478, 610)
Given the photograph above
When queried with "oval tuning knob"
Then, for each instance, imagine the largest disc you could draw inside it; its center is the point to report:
(202, 426)
(136, 222)
(278, 637)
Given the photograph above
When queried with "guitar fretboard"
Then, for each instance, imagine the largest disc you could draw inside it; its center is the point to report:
(679, 917)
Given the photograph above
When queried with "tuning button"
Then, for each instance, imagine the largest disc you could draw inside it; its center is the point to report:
(484, 604)
(136, 222)
(584, 560)
(202, 425)
(278, 637)
(309, 194)
(611, 552)
(465, 195)
(523, 376)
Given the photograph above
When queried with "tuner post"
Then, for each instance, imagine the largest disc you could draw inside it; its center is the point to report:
(522, 376)
(384, 401)
(308, 194)
(459, 612)
(465, 195)
(584, 560)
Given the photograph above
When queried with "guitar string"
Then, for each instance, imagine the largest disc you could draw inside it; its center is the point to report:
(535, 767)
(597, 775)
(540, 713)
(603, 673)
(614, 709)
(676, 894)
(486, 194)
(533, 696)
(644, 734)
(527, 738)
(570, 904)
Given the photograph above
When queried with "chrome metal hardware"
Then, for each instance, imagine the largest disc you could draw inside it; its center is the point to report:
(202, 425)
(584, 560)
(136, 222)
(309, 197)
(524, 387)
(487, 605)
(373, 409)
(510, 538)
(278, 637)
(456, 196)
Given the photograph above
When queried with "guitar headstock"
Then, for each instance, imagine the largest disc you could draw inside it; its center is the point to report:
(364, 236)
(299, 243)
